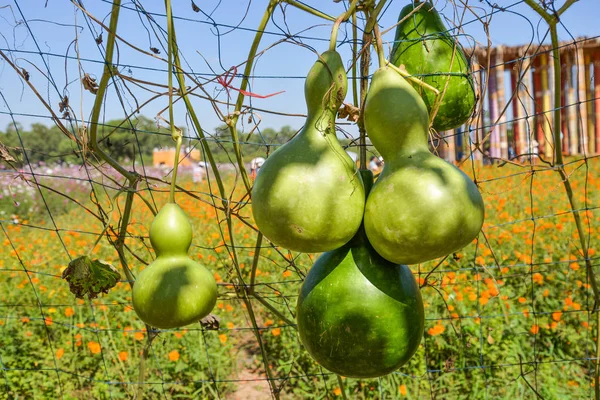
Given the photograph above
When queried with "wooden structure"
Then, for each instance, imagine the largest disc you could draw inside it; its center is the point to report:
(515, 89)
(165, 157)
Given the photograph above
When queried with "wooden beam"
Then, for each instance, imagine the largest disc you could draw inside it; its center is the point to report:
(547, 142)
(597, 101)
(589, 104)
(493, 107)
(574, 145)
(477, 124)
(537, 138)
(564, 111)
(582, 119)
(501, 102)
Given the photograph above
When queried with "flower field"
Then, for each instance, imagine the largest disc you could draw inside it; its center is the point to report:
(506, 317)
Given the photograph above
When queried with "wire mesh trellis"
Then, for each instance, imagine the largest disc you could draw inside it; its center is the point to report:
(502, 315)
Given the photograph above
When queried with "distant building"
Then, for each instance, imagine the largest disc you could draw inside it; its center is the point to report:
(165, 157)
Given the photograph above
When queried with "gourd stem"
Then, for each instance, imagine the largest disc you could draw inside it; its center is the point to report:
(175, 132)
(103, 84)
(413, 79)
(257, 248)
(362, 140)
(552, 21)
(142, 366)
(133, 178)
(365, 61)
(93, 139)
(232, 122)
(120, 243)
(194, 117)
(274, 310)
(100, 236)
(342, 387)
(336, 26)
(250, 288)
(379, 47)
(178, 141)
(309, 9)
(372, 21)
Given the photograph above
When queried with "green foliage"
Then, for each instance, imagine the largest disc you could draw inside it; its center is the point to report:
(128, 141)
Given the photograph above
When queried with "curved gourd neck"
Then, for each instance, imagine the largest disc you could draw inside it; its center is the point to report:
(324, 91)
(319, 126)
(396, 117)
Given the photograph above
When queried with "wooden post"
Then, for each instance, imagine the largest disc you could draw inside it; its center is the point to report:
(597, 100)
(493, 106)
(564, 111)
(589, 104)
(460, 153)
(450, 146)
(581, 99)
(547, 72)
(520, 104)
(501, 100)
(574, 145)
(477, 124)
(538, 136)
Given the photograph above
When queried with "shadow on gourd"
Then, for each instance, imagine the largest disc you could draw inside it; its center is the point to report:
(308, 195)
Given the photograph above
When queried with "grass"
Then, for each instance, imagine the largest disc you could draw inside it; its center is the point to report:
(506, 317)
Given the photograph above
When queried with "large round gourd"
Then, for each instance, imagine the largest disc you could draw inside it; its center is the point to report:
(308, 196)
(174, 290)
(426, 49)
(359, 315)
(421, 207)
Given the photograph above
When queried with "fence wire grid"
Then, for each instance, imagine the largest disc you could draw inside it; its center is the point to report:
(512, 315)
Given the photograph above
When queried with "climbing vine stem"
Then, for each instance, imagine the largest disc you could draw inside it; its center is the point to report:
(552, 20)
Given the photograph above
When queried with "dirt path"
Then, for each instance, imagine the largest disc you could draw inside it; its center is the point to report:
(253, 385)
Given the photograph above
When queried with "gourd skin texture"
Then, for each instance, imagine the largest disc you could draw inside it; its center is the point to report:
(424, 47)
(360, 315)
(174, 290)
(421, 207)
(308, 196)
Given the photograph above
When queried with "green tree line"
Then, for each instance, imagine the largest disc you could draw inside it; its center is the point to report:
(131, 141)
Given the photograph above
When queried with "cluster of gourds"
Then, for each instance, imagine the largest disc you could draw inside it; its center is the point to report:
(360, 312)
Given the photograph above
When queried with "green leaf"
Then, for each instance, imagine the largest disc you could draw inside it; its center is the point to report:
(89, 277)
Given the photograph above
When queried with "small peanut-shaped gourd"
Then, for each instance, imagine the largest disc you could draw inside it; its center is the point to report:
(174, 290)
(421, 207)
(308, 195)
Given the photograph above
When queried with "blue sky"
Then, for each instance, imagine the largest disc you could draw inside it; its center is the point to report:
(281, 68)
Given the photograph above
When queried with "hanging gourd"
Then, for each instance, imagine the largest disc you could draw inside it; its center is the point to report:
(308, 195)
(427, 51)
(174, 290)
(421, 207)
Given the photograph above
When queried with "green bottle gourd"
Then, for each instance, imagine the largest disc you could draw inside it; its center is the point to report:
(308, 196)
(421, 207)
(358, 314)
(425, 48)
(174, 290)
